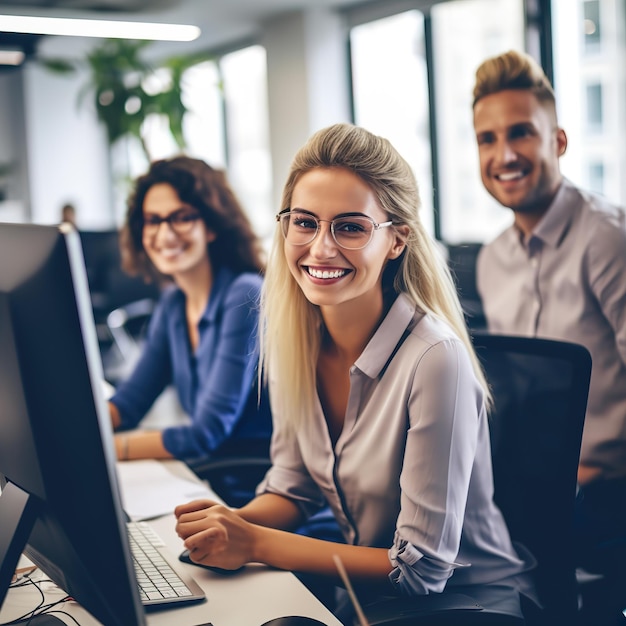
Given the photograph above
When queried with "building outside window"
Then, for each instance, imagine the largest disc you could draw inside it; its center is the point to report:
(591, 25)
(596, 177)
(590, 35)
(594, 107)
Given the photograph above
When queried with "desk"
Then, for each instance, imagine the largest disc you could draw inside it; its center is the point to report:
(249, 598)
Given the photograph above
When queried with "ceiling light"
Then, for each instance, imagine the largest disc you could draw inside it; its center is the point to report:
(98, 28)
(11, 57)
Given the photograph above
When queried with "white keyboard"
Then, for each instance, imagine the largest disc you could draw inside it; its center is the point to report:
(161, 581)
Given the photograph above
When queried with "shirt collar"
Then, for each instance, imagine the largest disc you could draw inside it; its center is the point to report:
(552, 227)
(383, 344)
(222, 278)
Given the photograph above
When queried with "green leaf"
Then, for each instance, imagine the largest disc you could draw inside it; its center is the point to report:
(116, 72)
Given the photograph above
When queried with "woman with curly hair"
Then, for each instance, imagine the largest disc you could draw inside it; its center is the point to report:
(185, 223)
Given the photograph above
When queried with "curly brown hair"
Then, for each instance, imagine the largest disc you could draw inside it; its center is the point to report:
(207, 190)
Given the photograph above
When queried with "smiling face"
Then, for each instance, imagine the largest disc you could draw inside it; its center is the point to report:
(328, 274)
(173, 254)
(519, 145)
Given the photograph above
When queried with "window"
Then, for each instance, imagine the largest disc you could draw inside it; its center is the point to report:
(594, 107)
(226, 125)
(390, 91)
(247, 134)
(465, 33)
(596, 177)
(591, 101)
(591, 24)
(203, 125)
(390, 68)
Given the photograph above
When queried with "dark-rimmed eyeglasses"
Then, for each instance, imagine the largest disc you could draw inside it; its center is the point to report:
(351, 232)
(181, 222)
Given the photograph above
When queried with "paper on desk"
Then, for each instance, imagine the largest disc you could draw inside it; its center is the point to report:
(149, 490)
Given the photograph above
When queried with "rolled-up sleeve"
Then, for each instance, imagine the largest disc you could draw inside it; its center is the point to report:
(445, 406)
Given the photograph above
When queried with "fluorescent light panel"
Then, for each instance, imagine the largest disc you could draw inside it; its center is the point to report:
(97, 28)
(11, 57)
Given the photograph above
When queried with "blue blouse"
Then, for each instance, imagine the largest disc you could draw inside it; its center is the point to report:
(214, 384)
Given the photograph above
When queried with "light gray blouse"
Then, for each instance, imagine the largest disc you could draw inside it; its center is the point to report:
(411, 470)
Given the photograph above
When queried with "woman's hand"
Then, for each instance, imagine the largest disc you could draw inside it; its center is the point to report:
(215, 535)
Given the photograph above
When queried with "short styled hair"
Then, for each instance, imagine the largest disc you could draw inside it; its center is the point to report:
(512, 70)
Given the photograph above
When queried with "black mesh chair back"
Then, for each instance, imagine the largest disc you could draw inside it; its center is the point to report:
(462, 263)
(540, 390)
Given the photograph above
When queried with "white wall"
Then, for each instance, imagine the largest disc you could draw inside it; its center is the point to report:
(307, 82)
(68, 155)
(14, 183)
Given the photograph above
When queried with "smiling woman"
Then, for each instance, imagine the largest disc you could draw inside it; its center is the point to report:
(378, 400)
(185, 224)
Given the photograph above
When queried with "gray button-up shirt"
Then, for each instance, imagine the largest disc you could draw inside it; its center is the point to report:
(411, 470)
(567, 281)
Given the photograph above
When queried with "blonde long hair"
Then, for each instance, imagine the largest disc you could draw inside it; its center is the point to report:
(290, 341)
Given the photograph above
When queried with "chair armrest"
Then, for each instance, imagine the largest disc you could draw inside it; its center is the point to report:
(205, 467)
(233, 478)
(437, 609)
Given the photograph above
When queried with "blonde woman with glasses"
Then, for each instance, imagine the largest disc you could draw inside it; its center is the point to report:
(379, 403)
(185, 223)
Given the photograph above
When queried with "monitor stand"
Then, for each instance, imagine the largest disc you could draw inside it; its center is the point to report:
(18, 513)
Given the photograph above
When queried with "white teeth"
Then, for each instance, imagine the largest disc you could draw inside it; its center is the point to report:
(510, 176)
(326, 273)
(170, 253)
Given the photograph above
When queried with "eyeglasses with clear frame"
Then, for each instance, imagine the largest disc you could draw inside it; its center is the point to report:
(351, 232)
(181, 222)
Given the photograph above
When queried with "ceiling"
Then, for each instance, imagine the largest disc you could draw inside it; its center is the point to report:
(124, 6)
(221, 21)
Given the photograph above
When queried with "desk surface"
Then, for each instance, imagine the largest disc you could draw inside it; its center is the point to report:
(249, 598)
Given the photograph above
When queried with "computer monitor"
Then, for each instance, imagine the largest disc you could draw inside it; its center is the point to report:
(60, 502)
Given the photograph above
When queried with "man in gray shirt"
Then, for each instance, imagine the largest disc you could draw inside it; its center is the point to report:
(559, 271)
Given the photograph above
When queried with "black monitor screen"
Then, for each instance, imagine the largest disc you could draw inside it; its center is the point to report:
(60, 501)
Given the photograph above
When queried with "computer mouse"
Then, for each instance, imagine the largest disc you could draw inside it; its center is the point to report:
(185, 558)
(293, 620)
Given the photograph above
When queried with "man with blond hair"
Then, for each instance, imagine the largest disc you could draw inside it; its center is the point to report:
(558, 272)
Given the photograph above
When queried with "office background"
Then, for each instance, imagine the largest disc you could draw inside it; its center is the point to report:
(281, 69)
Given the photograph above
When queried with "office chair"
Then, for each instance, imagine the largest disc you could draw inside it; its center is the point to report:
(126, 326)
(462, 263)
(540, 392)
(246, 472)
(110, 287)
(240, 464)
